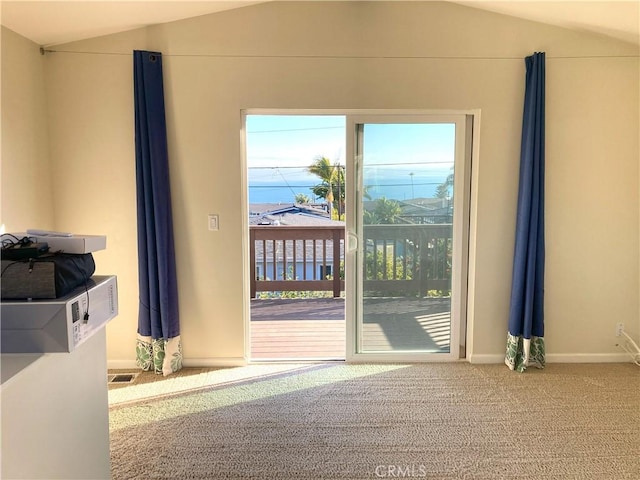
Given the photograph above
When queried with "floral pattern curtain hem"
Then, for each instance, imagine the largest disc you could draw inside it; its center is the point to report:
(523, 352)
(162, 356)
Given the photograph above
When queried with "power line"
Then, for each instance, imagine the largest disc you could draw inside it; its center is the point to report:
(285, 181)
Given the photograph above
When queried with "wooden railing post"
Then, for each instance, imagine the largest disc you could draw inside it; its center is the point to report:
(423, 269)
(337, 233)
(252, 261)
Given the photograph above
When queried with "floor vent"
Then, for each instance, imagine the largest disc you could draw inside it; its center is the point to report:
(121, 377)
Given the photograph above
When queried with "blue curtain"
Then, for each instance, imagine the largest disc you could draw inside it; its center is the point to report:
(158, 347)
(525, 339)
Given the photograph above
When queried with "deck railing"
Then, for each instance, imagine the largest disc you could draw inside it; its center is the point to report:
(407, 259)
(296, 258)
(398, 259)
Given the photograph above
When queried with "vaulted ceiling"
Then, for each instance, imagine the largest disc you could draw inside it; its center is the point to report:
(54, 22)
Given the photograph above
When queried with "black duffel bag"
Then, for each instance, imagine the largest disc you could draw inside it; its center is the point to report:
(47, 276)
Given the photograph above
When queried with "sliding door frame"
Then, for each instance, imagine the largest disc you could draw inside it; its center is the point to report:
(467, 191)
(464, 122)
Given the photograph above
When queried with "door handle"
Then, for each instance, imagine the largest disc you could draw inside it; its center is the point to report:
(352, 242)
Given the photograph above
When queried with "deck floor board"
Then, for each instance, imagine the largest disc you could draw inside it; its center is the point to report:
(315, 329)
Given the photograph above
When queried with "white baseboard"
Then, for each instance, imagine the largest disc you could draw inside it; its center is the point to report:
(587, 358)
(561, 358)
(486, 359)
(187, 362)
(122, 365)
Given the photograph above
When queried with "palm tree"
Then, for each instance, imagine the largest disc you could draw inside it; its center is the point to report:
(332, 184)
(302, 198)
(443, 190)
(386, 212)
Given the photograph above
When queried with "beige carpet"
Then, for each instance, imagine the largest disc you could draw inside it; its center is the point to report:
(337, 421)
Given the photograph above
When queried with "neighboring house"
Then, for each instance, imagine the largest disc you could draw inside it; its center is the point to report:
(421, 210)
(427, 210)
(289, 214)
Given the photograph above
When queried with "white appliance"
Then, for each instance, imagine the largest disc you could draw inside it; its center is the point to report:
(61, 324)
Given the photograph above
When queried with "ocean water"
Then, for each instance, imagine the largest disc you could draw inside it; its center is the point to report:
(397, 187)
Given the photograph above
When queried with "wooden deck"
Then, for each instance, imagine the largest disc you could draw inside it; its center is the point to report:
(315, 329)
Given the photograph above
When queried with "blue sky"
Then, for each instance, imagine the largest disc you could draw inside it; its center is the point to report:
(405, 144)
(293, 141)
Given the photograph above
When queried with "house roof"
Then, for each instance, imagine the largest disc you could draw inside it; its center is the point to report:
(289, 214)
(298, 215)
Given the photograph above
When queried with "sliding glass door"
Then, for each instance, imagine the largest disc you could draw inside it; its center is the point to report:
(406, 246)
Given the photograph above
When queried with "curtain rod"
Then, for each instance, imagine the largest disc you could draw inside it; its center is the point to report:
(44, 51)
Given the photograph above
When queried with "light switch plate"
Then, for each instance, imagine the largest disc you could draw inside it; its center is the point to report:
(214, 223)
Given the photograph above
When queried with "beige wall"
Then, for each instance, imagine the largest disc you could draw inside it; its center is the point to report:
(27, 200)
(333, 55)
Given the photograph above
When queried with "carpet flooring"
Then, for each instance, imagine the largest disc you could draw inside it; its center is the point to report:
(339, 421)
